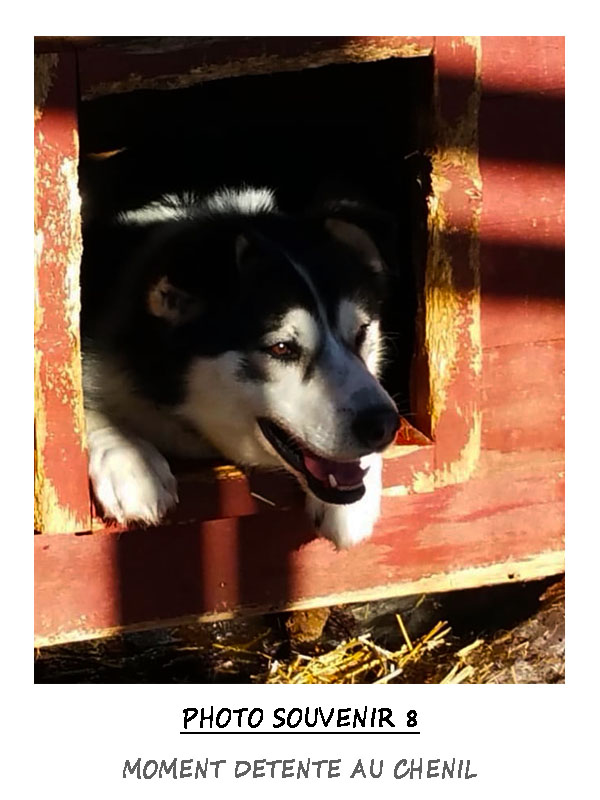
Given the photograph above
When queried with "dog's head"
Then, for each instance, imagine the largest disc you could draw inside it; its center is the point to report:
(279, 318)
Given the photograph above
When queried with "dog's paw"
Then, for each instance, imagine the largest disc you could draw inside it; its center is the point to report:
(131, 480)
(348, 525)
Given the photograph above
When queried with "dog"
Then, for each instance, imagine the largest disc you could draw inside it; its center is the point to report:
(218, 325)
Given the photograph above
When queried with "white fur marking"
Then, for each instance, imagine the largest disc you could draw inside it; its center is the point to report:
(248, 200)
(350, 317)
(170, 207)
(348, 525)
(297, 324)
(187, 205)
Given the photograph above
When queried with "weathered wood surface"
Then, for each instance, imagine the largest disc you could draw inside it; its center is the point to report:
(61, 488)
(505, 525)
(229, 57)
(209, 492)
(452, 283)
(484, 502)
(522, 167)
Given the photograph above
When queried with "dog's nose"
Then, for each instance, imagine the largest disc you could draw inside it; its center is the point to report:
(376, 426)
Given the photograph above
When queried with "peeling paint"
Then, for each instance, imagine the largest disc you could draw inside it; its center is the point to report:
(69, 175)
(452, 330)
(49, 515)
(423, 482)
(44, 69)
(456, 148)
(354, 51)
(396, 491)
(61, 494)
(400, 450)
(442, 308)
(464, 467)
(549, 562)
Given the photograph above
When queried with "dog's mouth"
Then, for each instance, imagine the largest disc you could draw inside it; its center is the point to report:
(338, 482)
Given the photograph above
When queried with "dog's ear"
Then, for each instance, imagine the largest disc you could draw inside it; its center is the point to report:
(357, 239)
(192, 272)
(367, 229)
(170, 303)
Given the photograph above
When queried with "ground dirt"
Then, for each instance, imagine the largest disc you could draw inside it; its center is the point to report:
(503, 634)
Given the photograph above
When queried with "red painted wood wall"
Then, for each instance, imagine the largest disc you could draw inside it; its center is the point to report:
(482, 503)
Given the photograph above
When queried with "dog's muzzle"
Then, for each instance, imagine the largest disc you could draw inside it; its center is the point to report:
(332, 481)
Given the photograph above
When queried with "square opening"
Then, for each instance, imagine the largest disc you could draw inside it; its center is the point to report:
(360, 130)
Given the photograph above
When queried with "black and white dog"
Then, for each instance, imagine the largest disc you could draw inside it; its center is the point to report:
(218, 325)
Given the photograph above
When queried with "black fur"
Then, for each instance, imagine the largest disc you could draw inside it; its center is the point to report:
(238, 299)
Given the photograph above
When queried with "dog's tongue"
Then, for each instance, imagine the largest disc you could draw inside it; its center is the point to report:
(334, 473)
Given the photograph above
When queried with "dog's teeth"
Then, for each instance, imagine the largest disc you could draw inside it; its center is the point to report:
(332, 481)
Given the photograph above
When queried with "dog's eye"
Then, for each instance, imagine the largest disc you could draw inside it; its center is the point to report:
(361, 335)
(286, 351)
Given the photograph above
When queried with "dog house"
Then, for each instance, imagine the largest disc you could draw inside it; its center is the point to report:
(462, 140)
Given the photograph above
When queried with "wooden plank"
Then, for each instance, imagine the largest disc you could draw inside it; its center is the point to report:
(58, 44)
(87, 585)
(509, 571)
(229, 57)
(223, 492)
(524, 64)
(452, 297)
(522, 166)
(61, 485)
(524, 397)
(521, 317)
(148, 44)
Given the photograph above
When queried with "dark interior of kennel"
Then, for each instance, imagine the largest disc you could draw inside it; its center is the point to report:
(352, 130)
